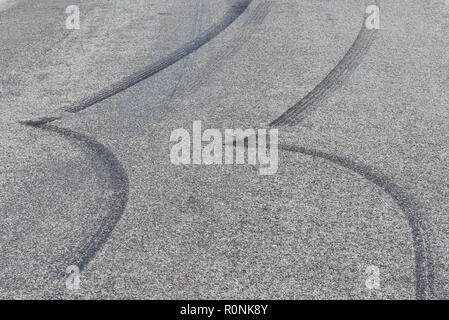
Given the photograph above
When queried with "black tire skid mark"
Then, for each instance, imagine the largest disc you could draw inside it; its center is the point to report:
(407, 203)
(413, 210)
(118, 179)
(117, 182)
(230, 16)
(334, 80)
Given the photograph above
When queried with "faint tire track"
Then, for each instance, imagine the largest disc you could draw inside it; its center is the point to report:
(181, 74)
(230, 16)
(194, 82)
(255, 18)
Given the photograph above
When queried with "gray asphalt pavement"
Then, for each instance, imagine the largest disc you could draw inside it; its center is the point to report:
(86, 178)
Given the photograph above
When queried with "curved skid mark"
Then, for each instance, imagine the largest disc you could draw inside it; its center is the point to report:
(410, 207)
(117, 182)
(334, 80)
(231, 15)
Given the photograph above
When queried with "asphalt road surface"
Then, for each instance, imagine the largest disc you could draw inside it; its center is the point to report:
(358, 208)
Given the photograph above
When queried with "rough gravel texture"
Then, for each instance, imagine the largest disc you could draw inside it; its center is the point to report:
(362, 179)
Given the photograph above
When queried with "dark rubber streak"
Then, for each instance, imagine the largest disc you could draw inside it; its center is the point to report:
(39, 122)
(231, 15)
(410, 206)
(117, 181)
(413, 210)
(334, 80)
